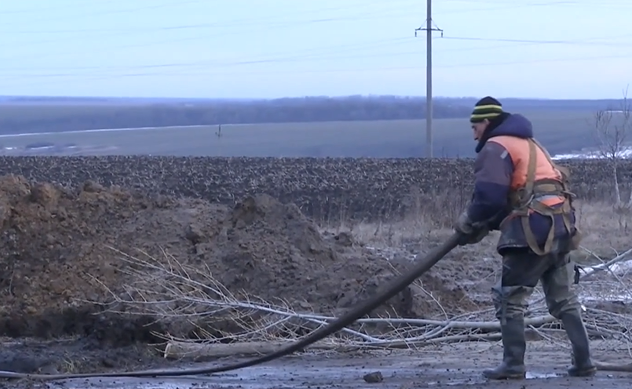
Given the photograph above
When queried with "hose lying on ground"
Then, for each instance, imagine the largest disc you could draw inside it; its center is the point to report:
(360, 310)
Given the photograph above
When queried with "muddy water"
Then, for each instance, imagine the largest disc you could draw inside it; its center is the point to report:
(458, 367)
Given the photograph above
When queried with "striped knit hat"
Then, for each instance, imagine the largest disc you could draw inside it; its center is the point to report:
(486, 108)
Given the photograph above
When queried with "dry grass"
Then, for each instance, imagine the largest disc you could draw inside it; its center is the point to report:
(606, 228)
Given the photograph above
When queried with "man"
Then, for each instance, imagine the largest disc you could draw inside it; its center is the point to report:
(521, 192)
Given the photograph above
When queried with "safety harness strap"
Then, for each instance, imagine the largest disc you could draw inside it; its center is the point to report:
(567, 206)
(529, 199)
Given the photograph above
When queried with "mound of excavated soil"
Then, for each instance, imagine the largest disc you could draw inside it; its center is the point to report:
(53, 249)
(272, 250)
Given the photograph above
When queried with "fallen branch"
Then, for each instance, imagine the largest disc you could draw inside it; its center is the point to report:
(605, 366)
(605, 266)
(202, 350)
(589, 271)
(173, 292)
(196, 351)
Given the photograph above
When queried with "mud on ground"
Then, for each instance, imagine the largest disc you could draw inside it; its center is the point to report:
(54, 240)
(453, 366)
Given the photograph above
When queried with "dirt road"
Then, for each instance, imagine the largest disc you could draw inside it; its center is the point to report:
(454, 366)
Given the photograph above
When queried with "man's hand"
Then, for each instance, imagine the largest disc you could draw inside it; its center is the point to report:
(472, 233)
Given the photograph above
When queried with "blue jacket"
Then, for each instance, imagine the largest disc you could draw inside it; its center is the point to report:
(493, 170)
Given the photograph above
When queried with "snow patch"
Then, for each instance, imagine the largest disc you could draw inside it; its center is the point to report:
(623, 154)
(619, 268)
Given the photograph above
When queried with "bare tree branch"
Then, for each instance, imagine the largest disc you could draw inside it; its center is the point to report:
(172, 292)
(612, 129)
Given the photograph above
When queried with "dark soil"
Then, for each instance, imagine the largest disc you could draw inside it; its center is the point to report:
(55, 264)
(323, 188)
(75, 355)
(56, 270)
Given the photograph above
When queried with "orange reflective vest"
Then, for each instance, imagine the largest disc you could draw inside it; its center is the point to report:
(538, 185)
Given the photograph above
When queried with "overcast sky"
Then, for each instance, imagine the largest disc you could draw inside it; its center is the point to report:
(275, 48)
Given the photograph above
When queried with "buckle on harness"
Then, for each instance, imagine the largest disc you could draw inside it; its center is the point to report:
(576, 269)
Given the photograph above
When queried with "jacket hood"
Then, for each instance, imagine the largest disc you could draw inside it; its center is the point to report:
(507, 124)
(514, 125)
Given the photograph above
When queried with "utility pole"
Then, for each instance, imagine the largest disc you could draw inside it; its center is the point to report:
(429, 29)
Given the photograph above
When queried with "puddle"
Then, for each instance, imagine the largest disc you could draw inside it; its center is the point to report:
(537, 376)
(162, 385)
(474, 377)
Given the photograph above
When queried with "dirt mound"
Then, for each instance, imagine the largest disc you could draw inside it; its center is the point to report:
(53, 240)
(272, 250)
(53, 249)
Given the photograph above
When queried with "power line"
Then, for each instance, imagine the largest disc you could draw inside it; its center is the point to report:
(537, 61)
(539, 41)
(396, 69)
(324, 71)
(246, 21)
(210, 35)
(325, 52)
(234, 23)
(161, 69)
(115, 11)
(250, 20)
(240, 23)
(505, 6)
(332, 52)
(31, 11)
(311, 55)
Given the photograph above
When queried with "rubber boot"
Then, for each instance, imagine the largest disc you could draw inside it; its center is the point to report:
(582, 363)
(514, 347)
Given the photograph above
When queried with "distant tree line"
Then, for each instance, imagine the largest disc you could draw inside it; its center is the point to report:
(33, 117)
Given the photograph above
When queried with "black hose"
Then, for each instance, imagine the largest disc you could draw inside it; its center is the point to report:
(354, 314)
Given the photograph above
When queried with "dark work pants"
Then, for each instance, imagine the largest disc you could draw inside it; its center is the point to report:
(522, 270)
